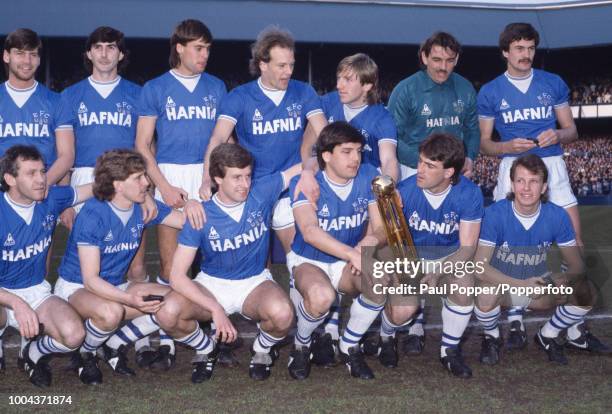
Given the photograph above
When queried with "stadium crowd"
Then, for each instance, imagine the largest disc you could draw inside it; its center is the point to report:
(596, 91)
(588, 163)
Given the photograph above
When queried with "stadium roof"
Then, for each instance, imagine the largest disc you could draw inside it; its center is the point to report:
(561, 23)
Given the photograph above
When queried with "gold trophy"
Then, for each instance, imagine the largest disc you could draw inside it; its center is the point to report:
(398, 235)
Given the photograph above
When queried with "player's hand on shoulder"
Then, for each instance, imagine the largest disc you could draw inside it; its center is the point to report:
(67, 218)
(548, 137)
(194, 212)
(27, 319)
(468, 168)
(149, 209)
(225, 331)
(308, 185)
(175, 197)
(206, 189)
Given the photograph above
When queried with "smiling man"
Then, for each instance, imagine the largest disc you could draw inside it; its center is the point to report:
(435, 99)
(517, 233)
(30, 112)
(269, 116)
(29, 210)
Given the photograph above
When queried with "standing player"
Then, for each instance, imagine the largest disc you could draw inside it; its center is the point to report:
(435, 99)
(269, 116)
(233, 279)
(29, 112)
(325, 256)
(443, 210)
(516, 234)
(356, 101)
(28, 220)
(524, 105)
(103, 242)
(181, 106)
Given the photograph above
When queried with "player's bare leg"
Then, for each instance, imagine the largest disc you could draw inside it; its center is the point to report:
(364, 310)
(167, 241)
(318, 294)
(179, 318)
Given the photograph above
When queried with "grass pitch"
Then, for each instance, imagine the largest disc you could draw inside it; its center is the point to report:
(523, 382)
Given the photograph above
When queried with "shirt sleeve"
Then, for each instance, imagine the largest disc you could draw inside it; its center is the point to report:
(484, 105)
(269, 187)
(148, 102)
(489, 228)
(387, 129)
(562, 93)
(370, 173)
(301, 198)
(312, 102)
(565, 235)
(399, 106)
(61, 197)
(162, 212)
(472, 206)
(471, 129)
(66, 116)
(191, 237)
(231, 107)
(88, 228)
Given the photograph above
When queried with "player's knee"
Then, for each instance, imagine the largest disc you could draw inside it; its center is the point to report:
(398, 315)
(486, 306)
(109, 315)
(169, 314)
(461, 300)
(72, 334)
(282, 315)
(137, 273)
(320, 297)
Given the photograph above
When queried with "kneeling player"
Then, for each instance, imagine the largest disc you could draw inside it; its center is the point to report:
(28, 221)
(233, 278)
(103, 242)
(443, 210)
(326, 254)
(516, 235)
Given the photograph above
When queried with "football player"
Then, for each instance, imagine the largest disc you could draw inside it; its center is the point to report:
(30, 111)
(325, 256)
(269, 115)
(29, 210)
(516, 235)
(443, 210)
(233, 278)
(104, 239)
